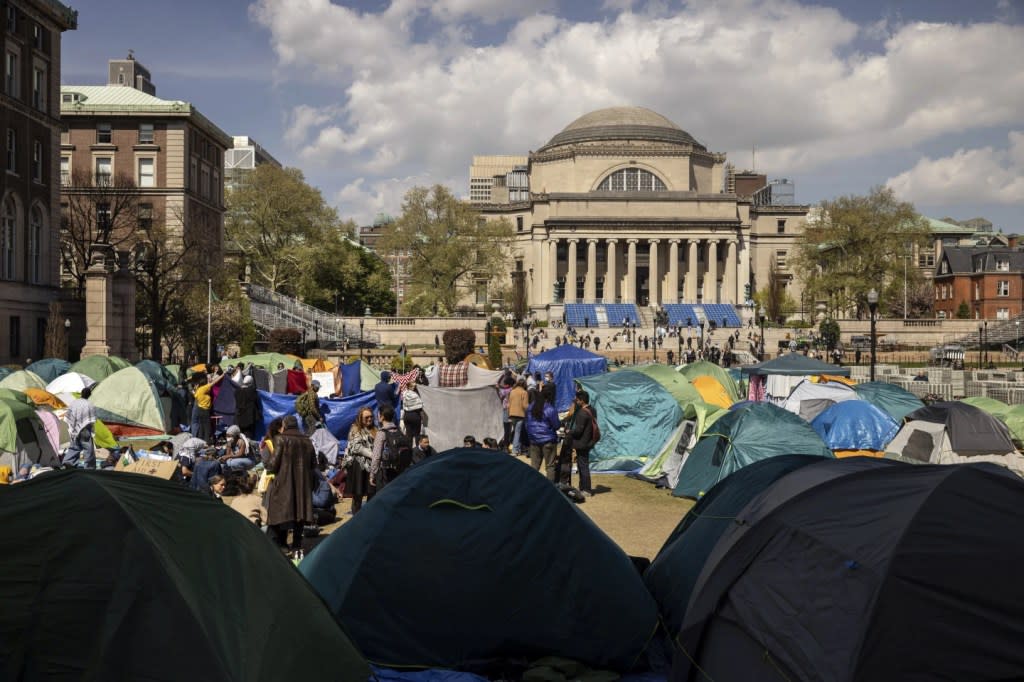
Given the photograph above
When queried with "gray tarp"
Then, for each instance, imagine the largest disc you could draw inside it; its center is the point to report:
(454, 413)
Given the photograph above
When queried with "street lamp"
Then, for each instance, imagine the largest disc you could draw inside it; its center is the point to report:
(634, 342)
(873, 306)
(986, 342)
(655, 338)
(526, 338)
(361, 323)
(1016, 345)
(760, 317)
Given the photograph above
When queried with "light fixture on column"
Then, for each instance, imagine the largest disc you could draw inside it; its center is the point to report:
(873, 308)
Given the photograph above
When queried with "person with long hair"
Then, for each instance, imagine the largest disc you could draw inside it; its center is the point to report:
(358, 458)
(542, 427)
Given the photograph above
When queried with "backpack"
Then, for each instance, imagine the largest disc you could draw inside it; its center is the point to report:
(595, 433)
(397, 452)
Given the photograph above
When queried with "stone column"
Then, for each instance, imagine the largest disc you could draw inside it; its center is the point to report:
(673, 272)
(729, 286)
(654, 285)
(570, 275)
(99, 301)
(552, 273)
(590, 285)
(123, 289)
(631, 271)
(691, 272)
(711, 279)
(611, 284)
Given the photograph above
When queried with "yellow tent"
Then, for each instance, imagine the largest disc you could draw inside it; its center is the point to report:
(316, 365)
(42, 397)
(858, 453)
(712, 392)
(825, 378)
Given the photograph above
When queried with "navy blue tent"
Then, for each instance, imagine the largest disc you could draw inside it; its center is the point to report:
(470, 556)
(567, 362)
(224, 403)
(338, 413)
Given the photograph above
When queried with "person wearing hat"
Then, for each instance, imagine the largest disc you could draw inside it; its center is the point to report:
(307, 406)
(247, 407)
(238, 451)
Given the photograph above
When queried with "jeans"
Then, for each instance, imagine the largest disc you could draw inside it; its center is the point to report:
(517, 435)
(240, 463)
(200, 423)
(82, 448)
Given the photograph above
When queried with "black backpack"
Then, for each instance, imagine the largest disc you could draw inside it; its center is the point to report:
(397, 452)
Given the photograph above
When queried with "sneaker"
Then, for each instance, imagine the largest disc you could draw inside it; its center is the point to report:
(584, 493)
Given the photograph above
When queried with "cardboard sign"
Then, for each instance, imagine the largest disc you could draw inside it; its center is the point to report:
(149, 467)
(326, 380)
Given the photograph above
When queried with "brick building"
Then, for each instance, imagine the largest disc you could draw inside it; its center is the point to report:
(29, 187)
(990, 280)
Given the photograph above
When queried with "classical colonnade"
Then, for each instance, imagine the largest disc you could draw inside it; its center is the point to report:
(676, 266)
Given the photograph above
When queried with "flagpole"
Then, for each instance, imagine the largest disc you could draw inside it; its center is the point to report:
(209, 318)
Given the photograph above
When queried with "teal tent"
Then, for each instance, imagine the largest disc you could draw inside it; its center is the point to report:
(472, 556)
(741, 437)
(794, 365)
(116, 576)
(99, 367)
(49, 369)
(889, 398)
(637, 416)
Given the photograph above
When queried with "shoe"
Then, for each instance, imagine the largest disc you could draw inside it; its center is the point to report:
(584, 493)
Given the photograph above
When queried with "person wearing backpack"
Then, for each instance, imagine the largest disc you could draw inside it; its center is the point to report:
(585, 434)
(392, 450)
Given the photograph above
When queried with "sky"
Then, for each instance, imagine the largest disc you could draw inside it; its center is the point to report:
(372, 97)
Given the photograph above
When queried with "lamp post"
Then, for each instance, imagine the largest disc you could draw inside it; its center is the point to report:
(634, 342)
(655, 337)
(526, 338)
(679, 339)
(361, 323)
(872, 307)
(316, 332)
(760, 318)
(1016, 344)
(67, 337)
(986, 343)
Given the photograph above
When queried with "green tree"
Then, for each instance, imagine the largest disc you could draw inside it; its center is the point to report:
(273, 217)
(497, 332)
(963, 311)
(828, 330)
(339, 273)
(857, 243)
(449, 245)
(777, 302)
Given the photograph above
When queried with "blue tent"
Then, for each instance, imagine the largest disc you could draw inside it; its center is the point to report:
(855, 425)
(890, 398)
(49, 369)
(568, 363)
(470, 556)
(224, 403)
(338, 413)
(637, 416)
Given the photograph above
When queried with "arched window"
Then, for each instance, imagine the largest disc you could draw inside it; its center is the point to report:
(632, 180)
(35, 240)
(7, 238)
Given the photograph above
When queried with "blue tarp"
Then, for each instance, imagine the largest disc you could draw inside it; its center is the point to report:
(568, 363)
(855, 425)
(350, 377)
(338, 413)
(637, 416)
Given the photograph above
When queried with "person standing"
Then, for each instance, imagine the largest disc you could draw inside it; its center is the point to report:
(204, 403)
(412, 411)
(307, 406)
(423, 450)
(380, 473)
(290, 495)
(246, 407)
(583, 439)
(358, 456)
(542, 427)
(518, 401)
(81, 421)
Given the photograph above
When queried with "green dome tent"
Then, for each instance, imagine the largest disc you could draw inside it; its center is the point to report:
(704, 368)
(115, 576)
(99, 367)
(741, 437)
(23, 441)
(22, 379)
(890, 398)
(128, 402)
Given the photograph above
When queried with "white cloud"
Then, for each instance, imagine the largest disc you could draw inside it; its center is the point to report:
(303, 119)
(967, 176)
(784, 76)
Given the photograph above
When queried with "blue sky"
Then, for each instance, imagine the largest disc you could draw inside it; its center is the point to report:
(370, 98)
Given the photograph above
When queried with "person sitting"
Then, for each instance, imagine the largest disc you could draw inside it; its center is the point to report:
(248, 503)
(490, 444)
(206, 467)
(237, 451)
(422, 449)
(921, 375)
(325, 496)
(469, 442)
(216, 487)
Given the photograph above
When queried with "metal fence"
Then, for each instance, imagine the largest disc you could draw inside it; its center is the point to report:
(272, 310)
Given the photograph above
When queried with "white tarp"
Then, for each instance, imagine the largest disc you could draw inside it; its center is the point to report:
(454, 413)
(482, 377)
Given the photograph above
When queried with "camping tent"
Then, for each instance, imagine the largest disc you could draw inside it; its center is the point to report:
(21, 380)
(674, 571)
(703, 368)
(854, 580)
(268, 361)
(855, 427)
(713, 392)
(567, 363)
(358, 376)
(224, 404)
(672, 381)
(453, 413)
(742, 437)
(500, 532)
(132, 596)
(890, 398)
(128, 402)
(49, 369)
(69, 383)
(637, 417)
(99, 367)
(1014, 420)
(795, 364)
(811, 398)
(40, 396)
(954, 432)
(23, 439)
(996, 408)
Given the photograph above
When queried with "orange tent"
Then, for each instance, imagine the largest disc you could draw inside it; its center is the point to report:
(42, 397)
(712, 392)
(316, 365)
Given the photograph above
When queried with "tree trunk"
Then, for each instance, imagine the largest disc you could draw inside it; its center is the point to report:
(156, 326)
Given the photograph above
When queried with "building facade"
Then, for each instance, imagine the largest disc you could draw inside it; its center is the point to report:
(989, 280)
(624, 206)
(30, 187)
(121, 140)
(486, 171)
(242, 158)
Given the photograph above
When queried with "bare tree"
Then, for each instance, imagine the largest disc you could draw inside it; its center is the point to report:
(56, 333)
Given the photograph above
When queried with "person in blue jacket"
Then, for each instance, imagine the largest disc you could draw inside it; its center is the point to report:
(542, 427)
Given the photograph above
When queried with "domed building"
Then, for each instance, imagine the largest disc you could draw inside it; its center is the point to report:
(623, 206)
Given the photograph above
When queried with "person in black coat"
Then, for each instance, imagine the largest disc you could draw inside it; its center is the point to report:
(247, 407)
(583, 439)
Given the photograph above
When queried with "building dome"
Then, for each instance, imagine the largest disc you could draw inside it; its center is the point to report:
(621, 124)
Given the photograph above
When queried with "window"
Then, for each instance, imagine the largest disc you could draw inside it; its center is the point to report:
(40, 336)
(193, 175)
(1003, 287)
(38, 36)
(926, 260)
(104, 171)
(12, 18)
(12, 150)
(632, 180)
(120, 79)
(145, 217)
(217, 187)
(37, 160)
(146, 173)
(103, 221)
(39, 89)
(14, 343)
(942, 314)
(35, 238)
(780, 259)
(65, 170)
(104, 133)
(11, 75)
(7, 237)
(519, 223)
(1002, 313)
(780, 226)
(204, 188)
(145, 133)
(1002, 264)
